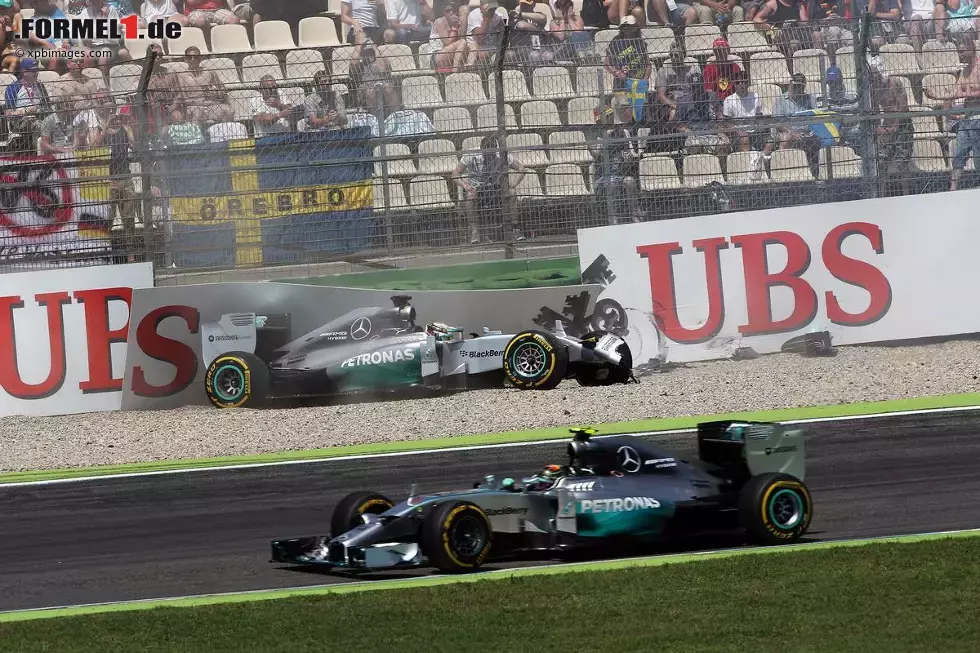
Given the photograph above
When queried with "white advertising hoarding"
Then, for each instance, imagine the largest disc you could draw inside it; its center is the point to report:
(865, 271)
(63, 337)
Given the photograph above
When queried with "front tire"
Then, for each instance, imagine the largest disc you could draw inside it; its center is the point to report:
(535, 360)
(456, 537)
(348, 513)
(237, 379)
(775, 509)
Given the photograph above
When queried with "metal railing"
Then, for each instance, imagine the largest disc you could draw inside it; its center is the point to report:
(507, 143)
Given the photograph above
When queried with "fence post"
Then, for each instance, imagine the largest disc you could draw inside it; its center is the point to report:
(869, 157)
(501, 105)
(381, 115)
(143, 152)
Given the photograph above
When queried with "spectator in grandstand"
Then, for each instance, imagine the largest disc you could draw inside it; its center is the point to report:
(784, 22)
(660, 12)
(450, 47)
(371, 77)
(955, 17)
(406, 122)
(26, 99)
(886, 17)
(627, 57)
(967, 95)
(406, 21)
(91, 118)
(363, 18)
(718, 74)
(920, 19)
(527, 36)
(270, 114)
(163, 96)
(568, 31)
(9, 29)
(77, 84)
(675, 85)
(616, 155)
(182, 130)
(56, 130)
(701, 126)
(117, 135)
(323, 108)
(203, 95)
(743, 105)
(719, 12)
(358, 117)
(109, 51)
(166, 10)
(793, 102)
(484, 31)
(204, 14)
(895, 133)
(48, 9)
(123, 7)
(487, 184)
(829, 20)
(838, 99)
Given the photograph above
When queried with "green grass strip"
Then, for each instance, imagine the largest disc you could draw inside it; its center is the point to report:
(636, 426)
(501, 575)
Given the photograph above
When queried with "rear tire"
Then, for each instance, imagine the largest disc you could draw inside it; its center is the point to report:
(347, 514)
(775, 509)
(535, 360)
(237, 379)
(456, 537)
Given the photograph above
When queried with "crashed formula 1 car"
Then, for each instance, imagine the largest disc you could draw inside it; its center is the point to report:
(748, 477)
(251, 359)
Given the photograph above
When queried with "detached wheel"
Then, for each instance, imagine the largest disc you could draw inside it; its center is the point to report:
(347, 514)
(605, 374)
(237, 379)
(456, 536)
(534, 360)
(775, 509)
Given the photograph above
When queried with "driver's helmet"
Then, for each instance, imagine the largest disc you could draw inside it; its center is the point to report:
(442, 332)
(546, 478)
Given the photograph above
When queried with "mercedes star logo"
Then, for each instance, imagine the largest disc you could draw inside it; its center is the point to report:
(629, 459)
(360, 329)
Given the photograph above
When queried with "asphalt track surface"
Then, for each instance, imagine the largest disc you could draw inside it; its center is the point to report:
(207, 532)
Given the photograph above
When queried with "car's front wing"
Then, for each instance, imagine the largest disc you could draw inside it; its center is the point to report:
(321, 551)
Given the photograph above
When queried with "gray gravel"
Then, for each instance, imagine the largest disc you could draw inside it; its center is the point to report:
(778, 381)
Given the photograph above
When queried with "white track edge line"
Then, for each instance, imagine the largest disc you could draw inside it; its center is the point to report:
(475, 447)
(304, 589)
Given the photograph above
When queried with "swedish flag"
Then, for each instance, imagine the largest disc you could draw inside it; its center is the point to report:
(273, 199)
(827, 132)
(636, 93)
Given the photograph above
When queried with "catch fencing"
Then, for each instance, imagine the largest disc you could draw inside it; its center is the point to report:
(381, 163)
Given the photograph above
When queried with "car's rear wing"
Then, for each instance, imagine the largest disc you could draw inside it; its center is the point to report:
(754, 447)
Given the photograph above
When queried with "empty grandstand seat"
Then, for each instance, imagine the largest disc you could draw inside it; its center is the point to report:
(601, 40)
(399, 157)
(6, 79)
(230, 39)
(701, 169)
(744, 38)
(658, 40)
(568, 147)
(658, 173)
(768, 67)
(430, 192)
(273, 35)
(124, 78)
(565, 179)
(530, 187)
(301, 65)
(790, 165)
(812, 64)
(137, 47)
(189, 37)
(421, 92)
(471, 144)
(241, 103)
(581, 110)
(587, 81)
(437, 156)
(539, 113)
(318, 32)
(768, 93)
(845, 61)
(48, 77)
(927, 156)
(340, 59)
(486, 117)
(528, 149)
(27, 12)
(746, 168)
(224, 68)
(839, 163)
(254, 66)
(227, 131)
(452, 119)
(939, 57)
(465, 89)
(698, 39)
(399, 58)
(900, 59)
(515, 87)
(177, 67)
(425, 57)
(938, 87)
(396, 195)
(552, 83)
(926, 127)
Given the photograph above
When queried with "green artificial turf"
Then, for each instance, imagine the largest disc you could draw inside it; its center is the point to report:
(878, 597)
(492, 275)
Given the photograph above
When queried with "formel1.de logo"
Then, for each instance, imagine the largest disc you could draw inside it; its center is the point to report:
(97, 29)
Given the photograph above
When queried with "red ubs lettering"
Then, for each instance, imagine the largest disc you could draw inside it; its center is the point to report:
(166, 350)
(759, 281)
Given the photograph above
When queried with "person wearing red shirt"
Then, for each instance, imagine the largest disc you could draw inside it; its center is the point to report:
(205, 13)
(719, 74)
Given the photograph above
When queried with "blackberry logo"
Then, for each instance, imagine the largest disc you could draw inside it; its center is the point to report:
(509, 510)
(490, 353)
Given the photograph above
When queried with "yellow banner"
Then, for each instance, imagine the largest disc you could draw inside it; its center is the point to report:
(262, 205)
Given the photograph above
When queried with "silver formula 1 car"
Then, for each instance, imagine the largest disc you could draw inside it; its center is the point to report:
(253, 359)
